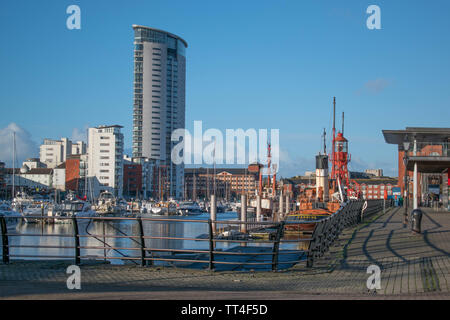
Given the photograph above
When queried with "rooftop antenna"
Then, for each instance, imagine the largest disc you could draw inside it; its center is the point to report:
(342, 123)
(324, 141)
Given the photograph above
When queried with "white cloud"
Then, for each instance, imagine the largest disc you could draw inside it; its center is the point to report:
(79, 134)
(294, 166)
(25, 146)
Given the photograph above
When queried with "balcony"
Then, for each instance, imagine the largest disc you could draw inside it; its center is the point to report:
(430, 157)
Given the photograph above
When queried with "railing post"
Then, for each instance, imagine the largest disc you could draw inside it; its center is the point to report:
(276, 246)
(77, 240)
(142, 241)
(211, 245)
(313, 244)
(5, 244)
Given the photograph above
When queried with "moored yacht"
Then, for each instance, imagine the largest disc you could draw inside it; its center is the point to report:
(12, 218)
(189, 208)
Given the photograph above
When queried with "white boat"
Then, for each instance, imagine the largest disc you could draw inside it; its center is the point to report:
(107, 204)
(69, 209)
(22, 201)
(164, 208)
(189, 208)
(12, 218)
(34, 210)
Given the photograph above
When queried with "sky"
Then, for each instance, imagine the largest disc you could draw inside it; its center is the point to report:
(250, 64)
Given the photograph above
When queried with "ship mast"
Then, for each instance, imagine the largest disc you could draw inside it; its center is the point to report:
(14, 166)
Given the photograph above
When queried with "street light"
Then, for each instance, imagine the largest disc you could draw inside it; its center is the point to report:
(406, 145)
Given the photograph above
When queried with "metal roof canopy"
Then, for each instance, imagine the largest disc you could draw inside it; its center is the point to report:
(418, 133)
(421, 134)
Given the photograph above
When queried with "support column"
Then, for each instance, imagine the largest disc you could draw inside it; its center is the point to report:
(243, 213)
(213, 212)
(281, 208)
(415, 202)
(445, 187)
(288, 200)
(258, 208)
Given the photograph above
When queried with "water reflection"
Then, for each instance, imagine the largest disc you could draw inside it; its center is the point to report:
(97, 234)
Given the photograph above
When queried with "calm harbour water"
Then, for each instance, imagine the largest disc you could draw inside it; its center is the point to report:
(96, 230)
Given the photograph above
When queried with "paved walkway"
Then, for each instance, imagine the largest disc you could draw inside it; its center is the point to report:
(412, 267)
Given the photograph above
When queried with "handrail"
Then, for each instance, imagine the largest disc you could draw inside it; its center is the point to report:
(325, 232)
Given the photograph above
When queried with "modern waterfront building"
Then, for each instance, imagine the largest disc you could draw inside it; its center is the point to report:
(78, 148)
(159, 99)
(105, 160)
(54, 152)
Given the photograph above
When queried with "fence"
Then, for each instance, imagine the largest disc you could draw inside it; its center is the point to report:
(249, 252)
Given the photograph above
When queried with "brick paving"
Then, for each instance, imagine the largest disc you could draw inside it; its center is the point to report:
(412, 267)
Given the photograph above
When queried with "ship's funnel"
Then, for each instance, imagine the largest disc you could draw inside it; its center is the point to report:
(322, 177)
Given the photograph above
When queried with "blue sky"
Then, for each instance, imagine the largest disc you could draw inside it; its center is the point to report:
(250, 64)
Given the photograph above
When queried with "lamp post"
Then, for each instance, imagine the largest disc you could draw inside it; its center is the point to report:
(406, 144)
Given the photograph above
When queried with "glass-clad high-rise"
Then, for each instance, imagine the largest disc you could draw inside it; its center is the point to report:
(159, 99)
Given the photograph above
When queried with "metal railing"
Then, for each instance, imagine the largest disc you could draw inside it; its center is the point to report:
(314, 244)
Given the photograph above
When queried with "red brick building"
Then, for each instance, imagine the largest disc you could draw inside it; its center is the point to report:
(132, 180)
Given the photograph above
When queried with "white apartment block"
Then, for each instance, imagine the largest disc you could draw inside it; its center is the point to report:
(59, 177)
(78, 147)
(55, 152)
(105, 160)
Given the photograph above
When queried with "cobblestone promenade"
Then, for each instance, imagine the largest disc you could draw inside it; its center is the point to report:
(412, 267)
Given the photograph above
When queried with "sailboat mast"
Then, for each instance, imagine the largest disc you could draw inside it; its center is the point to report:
(214, 171)
(14, 166)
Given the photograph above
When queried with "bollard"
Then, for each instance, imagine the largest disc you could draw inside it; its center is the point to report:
(243, 213)
(287, 204)
(258, 208)
(281, 208)
(213, 212)
(416, 220)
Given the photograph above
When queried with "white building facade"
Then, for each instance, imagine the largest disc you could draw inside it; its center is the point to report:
(59, 177)
(78, 148)
(55, 152)
(105, 160)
